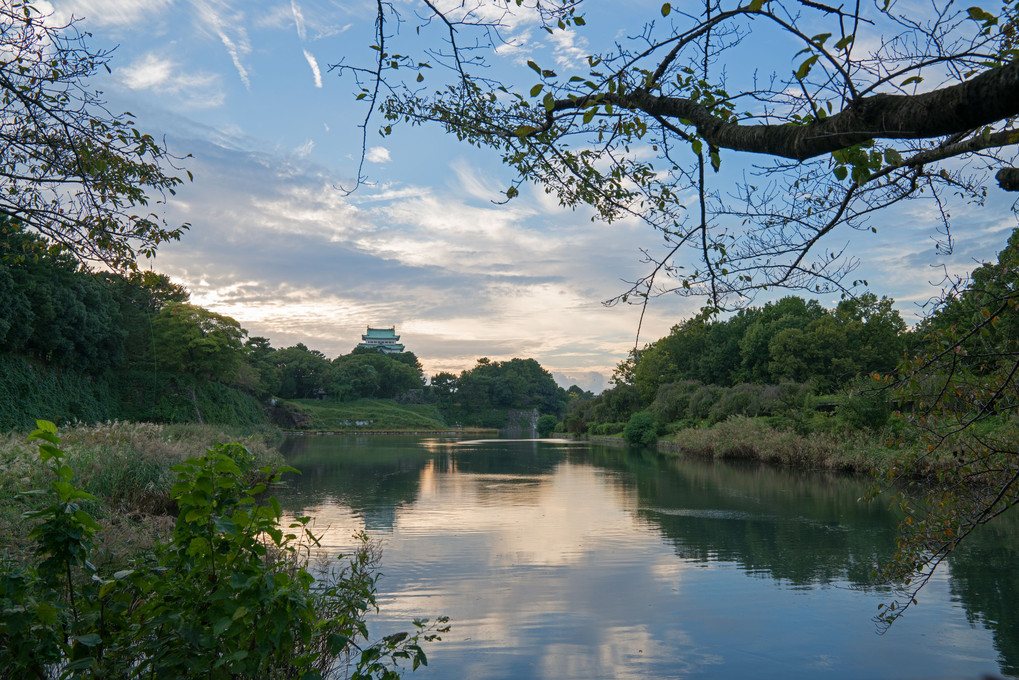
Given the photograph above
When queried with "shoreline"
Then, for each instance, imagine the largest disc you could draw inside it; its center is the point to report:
(377, 433)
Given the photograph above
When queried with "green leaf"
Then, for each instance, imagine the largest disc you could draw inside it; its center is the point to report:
(911, 80)
(755, 5)
(90, 640)
(589, 114)
(979, 14)
(845, 42)
(666, 8)
(804, 68)
(221, 625)
(537, 89)
(534, 66)
(841, 172)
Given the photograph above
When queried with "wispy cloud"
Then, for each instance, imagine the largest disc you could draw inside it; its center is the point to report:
(122, 13)
(314, 68)
(230, 31)
(298, 20)
(276, 246)
(570, 49)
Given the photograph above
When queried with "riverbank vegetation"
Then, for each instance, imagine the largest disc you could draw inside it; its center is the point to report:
(367, 414)
(178, 565)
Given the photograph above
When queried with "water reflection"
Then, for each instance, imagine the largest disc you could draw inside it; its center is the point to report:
(558, 560)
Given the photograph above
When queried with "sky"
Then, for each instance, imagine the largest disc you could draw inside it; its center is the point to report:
(244, 90)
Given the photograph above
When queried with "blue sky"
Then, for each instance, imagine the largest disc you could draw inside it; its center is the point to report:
(275, 242)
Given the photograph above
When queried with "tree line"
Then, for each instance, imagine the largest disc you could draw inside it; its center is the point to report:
(131, 345)
(708, 368)
(485, 394)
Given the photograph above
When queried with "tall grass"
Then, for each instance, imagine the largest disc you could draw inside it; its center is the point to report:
(127, 466)
(751, 438)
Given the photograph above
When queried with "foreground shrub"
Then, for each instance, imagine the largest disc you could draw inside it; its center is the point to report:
(228, 596)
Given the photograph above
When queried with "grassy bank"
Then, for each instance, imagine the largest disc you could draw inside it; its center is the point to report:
(126, 466)
(761, 439)
(755, 439)
(328, 415)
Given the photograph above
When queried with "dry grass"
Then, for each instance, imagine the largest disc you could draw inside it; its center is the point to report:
(748, 438)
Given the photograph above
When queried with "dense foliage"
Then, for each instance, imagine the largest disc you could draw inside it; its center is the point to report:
(964, 396)
(758, 362)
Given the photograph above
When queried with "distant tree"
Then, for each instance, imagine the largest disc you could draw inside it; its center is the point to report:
(482, 394)
(302, 372)
(787, 313)
(574, 392)
(376, 374)
(260, 357)
(410, 359)
(140, 295)
(444, 386)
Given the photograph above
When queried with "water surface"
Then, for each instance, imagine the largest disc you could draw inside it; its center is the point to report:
(563, 560)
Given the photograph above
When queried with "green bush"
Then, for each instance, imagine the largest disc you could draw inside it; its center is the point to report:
(546, 424)
(741, 400)
(640, 430)
(702, 401)
(606, 429)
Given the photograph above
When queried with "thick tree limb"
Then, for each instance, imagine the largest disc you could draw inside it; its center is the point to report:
(986, 99)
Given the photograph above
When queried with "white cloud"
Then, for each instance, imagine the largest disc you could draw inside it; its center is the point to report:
(314, 68)
(156, 73)
(570, 49)
(377, 154)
